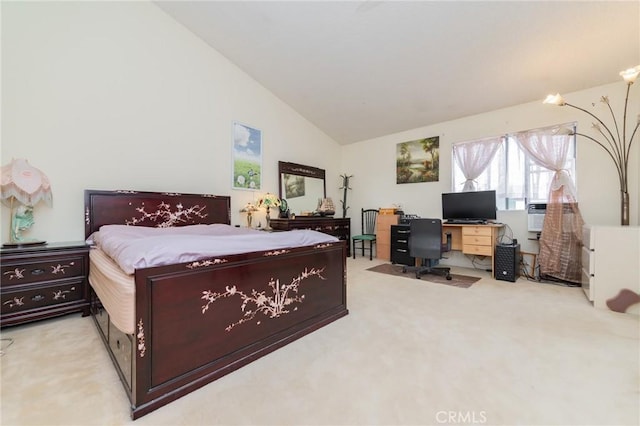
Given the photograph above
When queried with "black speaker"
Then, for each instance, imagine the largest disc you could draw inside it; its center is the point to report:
(507, 262)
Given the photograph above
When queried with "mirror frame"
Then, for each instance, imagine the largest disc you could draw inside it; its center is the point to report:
(300, 170)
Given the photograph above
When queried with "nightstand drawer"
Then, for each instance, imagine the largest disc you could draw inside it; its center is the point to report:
(45, 270)
(34, 297)
(43, 281)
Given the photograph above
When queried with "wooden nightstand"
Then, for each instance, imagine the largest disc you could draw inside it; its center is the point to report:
(43, 281)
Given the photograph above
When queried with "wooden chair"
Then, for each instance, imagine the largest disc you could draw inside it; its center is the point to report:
(369, 217)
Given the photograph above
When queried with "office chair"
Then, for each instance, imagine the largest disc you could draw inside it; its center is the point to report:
(369, 218)
(425, 242)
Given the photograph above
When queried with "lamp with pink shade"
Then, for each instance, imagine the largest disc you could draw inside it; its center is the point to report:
(23, 186)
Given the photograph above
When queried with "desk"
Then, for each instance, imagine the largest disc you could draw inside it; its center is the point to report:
(477, 240)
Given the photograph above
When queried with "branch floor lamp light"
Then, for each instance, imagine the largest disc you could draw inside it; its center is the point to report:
(617, 147)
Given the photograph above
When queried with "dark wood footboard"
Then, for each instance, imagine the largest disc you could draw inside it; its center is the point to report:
(199, 321)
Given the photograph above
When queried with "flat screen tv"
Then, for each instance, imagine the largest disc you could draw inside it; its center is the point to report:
(469, 206)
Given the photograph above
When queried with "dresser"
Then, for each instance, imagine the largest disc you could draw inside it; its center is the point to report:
(400, 245)
(44, 281)
(340, 228)
(610, 272)
(383, 235)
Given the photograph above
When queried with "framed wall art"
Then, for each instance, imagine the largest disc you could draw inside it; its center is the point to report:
(293, 185)
(247, 157)
(418, 161)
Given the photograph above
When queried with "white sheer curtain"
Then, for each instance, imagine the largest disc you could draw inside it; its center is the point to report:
(561, 237)
(473, 158)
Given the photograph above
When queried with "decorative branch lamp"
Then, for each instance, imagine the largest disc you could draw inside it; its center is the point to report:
(617, 147)
(267, 201)
(23, 186)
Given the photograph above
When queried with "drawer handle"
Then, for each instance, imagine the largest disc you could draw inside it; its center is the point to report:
(401, 250)
(402, 241)
(37, 271)
(403, 232)
(38, 298)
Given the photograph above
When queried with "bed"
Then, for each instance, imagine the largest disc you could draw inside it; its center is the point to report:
(180, 326)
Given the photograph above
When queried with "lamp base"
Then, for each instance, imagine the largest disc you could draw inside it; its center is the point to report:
(21, 244)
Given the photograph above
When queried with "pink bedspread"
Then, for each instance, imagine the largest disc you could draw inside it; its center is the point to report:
(135, 247)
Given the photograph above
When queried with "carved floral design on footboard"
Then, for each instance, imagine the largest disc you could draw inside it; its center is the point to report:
(204, 263)
(166, 217)
(258, 302)
(142, 347)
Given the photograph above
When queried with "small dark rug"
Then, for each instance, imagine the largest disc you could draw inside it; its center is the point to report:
(462, 281)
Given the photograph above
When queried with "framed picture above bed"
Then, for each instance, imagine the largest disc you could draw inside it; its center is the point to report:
(247, 157)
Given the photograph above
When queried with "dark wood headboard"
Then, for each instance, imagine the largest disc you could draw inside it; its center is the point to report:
(154, 209)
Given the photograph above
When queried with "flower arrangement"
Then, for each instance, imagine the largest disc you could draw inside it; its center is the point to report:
(267, 201)
(249, 208)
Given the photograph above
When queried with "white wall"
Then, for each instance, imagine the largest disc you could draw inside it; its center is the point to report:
(118, 95)
(372, 162)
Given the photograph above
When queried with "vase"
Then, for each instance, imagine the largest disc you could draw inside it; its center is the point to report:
(249, 219)
(624, 208)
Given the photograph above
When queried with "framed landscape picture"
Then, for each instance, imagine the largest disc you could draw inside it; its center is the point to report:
(247, 157)
(418, 161)
(293, 185)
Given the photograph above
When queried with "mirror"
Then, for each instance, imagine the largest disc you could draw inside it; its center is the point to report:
(301, 186)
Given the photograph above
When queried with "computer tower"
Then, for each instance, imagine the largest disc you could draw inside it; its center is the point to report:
(507, 262)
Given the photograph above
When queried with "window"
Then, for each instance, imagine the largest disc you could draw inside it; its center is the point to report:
(517, 179)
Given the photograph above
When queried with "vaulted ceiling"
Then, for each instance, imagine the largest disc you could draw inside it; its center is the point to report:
(364, 69)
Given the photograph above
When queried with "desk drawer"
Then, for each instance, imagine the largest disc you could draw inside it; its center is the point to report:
(402, 256)
(477, 230)
(476, 240)
(477, 250)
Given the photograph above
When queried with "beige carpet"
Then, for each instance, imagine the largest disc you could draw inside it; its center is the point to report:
(457, 280)
(497, 353)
